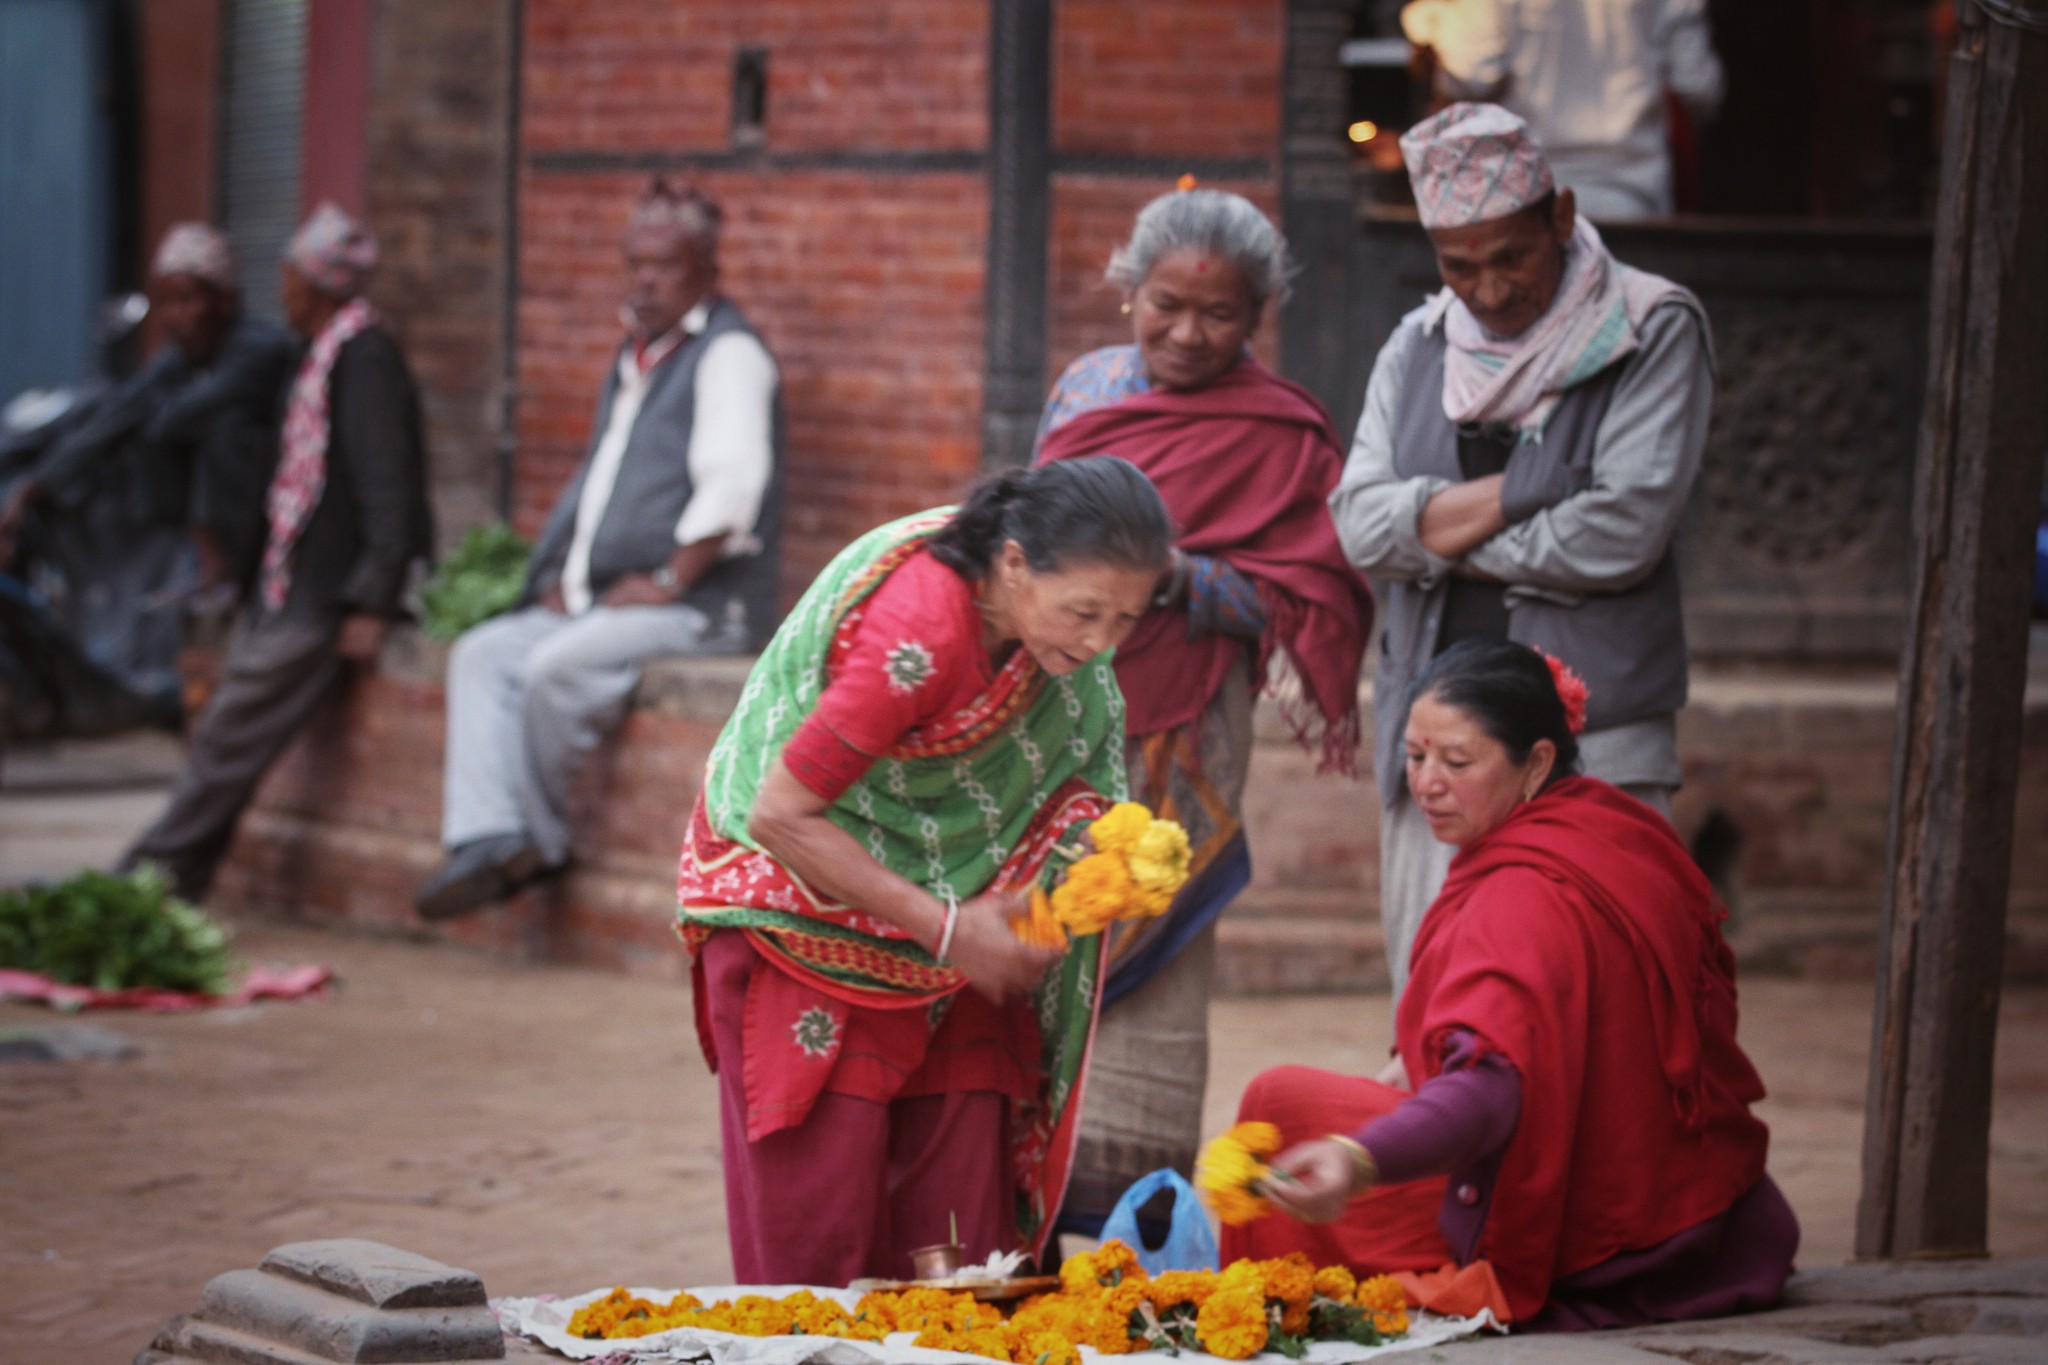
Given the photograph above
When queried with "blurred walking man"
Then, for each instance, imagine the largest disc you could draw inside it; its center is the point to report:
(348, 517)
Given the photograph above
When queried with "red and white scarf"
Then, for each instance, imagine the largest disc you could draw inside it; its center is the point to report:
(302, 468)
(1590, 324)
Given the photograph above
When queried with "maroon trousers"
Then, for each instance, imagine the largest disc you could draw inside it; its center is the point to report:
(859, 1184)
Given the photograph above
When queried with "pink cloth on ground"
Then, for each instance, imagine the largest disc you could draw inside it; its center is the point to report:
(263, 983)
(859, 1184)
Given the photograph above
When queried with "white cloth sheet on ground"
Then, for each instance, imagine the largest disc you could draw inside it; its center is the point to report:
(546, 1321)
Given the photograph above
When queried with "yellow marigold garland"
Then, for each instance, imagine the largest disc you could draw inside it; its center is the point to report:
(1106, 1301)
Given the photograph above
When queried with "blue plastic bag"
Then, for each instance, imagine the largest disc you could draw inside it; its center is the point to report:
(1189, 1245)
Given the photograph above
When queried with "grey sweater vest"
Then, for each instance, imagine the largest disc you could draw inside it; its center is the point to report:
(637, 532)
(1629, 645)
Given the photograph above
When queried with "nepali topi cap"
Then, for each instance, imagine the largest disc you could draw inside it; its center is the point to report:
(334, 252)
(1472, 163)
(197, 250)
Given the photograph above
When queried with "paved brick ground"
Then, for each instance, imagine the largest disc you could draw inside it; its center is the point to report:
(552, 1128)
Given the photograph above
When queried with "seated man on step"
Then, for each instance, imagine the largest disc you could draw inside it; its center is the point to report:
(665, 542)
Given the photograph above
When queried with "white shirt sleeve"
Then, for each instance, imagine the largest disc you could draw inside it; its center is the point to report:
(731, 443)
(1472, 39)
(1691, 68)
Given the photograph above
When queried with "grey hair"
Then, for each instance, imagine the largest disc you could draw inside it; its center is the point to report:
(685, 209)
(1215, 222)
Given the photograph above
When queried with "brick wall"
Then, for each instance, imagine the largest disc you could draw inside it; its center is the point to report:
(437, 138)
(1142, 93)
(856, 234)
(855, 237)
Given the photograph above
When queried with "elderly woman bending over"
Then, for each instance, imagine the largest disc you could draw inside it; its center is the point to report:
(1244, 460)
(1571, 1019)
(928, 724)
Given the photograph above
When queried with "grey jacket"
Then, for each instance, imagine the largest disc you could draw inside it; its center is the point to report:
(1593, 509)
(637, 531)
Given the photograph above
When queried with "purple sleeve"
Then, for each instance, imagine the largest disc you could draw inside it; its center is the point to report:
(1453, 1121)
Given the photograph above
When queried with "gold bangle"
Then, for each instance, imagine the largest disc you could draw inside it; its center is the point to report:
(1365, 1172)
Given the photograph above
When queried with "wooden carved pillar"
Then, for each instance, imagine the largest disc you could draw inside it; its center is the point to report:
(1955, 768)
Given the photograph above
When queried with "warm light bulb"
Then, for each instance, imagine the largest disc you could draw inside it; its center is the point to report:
(1365, 130)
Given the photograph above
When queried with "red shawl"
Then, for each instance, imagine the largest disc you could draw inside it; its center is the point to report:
(1578, 939)
(1246, 465)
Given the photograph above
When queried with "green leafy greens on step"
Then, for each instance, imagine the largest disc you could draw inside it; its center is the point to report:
(113, 932)
(481, 579)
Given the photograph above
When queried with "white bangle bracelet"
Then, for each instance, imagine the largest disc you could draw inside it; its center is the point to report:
(946, 934)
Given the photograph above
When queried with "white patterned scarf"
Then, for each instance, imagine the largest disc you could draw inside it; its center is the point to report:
(1590, 324)
(302, 468)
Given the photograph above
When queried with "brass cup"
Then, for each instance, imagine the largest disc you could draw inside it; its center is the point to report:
(936, 1262)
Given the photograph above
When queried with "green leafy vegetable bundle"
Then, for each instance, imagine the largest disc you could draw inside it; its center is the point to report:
(481, 579)
(112, 933)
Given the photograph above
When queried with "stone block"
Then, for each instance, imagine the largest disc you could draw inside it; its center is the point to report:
(1898, 1282)
(1736, 1341)
(372, 1273)
(1964, 1350)
(1845, 1324)
(275, 1307)
(342, 1300)
(1989, 1314)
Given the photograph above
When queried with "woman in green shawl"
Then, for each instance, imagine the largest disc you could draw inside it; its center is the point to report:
(931, 723)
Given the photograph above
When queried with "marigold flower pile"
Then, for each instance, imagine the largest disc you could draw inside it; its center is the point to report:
(1105, 1300)
(1138, 865)
(1231, 1172)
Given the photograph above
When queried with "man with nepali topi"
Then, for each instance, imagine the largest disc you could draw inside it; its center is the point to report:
(1530, 437)
(348, 521)
(935, 718)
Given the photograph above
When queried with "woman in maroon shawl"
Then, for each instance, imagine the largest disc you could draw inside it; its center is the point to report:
(1582, 1131)
(1245, 461)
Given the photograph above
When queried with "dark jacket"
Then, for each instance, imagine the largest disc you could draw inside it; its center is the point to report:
(179, 444)
(373, 521)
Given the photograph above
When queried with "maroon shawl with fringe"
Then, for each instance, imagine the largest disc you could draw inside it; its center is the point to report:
(1245, 465)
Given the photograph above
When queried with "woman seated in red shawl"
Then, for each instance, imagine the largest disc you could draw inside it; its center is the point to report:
(1581, 1141)
(1245, 461)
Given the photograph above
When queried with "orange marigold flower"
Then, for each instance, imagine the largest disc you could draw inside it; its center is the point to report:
(1381, 1293)
(1230, 1167)
(1232, 1324)
(1337, 1283)
(1045, 1348)
(1097, 892)
(1115, 1263)
(1119, 831)
(1290, 1278)
(1176, 1287)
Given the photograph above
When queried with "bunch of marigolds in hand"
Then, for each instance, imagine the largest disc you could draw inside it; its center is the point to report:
(1107, 1301)
(1232, 1172)
(1138, 866)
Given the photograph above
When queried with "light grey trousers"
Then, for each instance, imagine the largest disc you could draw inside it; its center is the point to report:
(530, 694)
(1413, 864)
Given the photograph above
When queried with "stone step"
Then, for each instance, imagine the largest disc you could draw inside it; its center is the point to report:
(1296, 957)
(327, 1326)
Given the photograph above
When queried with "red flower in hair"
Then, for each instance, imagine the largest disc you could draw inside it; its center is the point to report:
(1571, 690)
